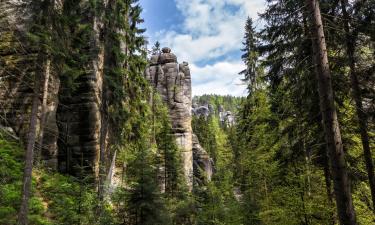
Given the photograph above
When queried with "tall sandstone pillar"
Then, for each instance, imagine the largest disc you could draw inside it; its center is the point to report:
(173, 83)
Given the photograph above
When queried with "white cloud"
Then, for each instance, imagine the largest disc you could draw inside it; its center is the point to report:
(211, 29)
(220, 78)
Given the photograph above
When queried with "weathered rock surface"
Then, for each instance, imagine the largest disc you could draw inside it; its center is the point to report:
(70, 139)
(203, 163)
(173, 83)
(17, 66)
(79, 124)
(227, 118)
(201, 111)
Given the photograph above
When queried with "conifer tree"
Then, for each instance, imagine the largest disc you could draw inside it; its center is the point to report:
(341, 182)
(156, 48)
(351, 37)
(271, 125)
(250, 55)
(39, 35)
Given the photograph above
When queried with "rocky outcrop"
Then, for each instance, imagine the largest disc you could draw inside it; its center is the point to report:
(227, 118)
(70, 139)
(173, 83)
(201, 111)
(17, 66)
(78, 114)
(203, 163)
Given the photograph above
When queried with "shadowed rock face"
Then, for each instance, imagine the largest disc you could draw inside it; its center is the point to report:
(79, 116)
(201, 111)
(17, 67)
(173, 83)
(203, 164)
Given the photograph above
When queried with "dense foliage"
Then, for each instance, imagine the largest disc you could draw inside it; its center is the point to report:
(271, 166)
(57, 199)
(283, 165)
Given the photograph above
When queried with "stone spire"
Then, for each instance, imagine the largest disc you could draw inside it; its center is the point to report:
(173, 83)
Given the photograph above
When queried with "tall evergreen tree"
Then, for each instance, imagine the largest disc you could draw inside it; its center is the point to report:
(351, 37)
(40, 33)
(341, 182)
(250, 55)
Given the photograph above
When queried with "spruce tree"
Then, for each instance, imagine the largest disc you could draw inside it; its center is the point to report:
(341, 182)
(40, 36)
(156, 48)
(250, 55)
(351, 37)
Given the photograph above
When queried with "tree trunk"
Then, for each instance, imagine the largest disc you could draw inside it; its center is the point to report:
(31, 137)
(44, 108)
(103, 146)
(109, 64)
(362, 117)
(344, 203)
(328, 183)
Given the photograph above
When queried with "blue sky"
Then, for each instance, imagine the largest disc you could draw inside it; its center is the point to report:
(207, 34)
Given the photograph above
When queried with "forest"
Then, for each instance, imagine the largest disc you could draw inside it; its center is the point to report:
(100, 127)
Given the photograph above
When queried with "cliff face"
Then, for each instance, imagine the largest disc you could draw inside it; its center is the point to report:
(72, 130)
(203, 164)
(79, 116)
(17, 69)
(173, 83)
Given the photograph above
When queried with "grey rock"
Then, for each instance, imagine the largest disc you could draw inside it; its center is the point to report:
(167, 58)
(172, 81)
(202, 111)
(227, 118)
(203, 164)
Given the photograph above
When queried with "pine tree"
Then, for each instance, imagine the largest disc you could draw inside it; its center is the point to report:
(156, 48)
(341, 183)
(357, 96)
(272, 124)
(41, 22)
(250, 55)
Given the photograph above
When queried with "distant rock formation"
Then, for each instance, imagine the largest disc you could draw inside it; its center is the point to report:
(203, 111)
(227, 118)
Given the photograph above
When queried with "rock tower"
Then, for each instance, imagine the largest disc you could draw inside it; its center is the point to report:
(173, 83)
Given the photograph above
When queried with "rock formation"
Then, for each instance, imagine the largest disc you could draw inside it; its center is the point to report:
(203, 163)
(201, 111)
(173, 83)
(78, 114)
(16, 83)
(73, 115)
(227, 118)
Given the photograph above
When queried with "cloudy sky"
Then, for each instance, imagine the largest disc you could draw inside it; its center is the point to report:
(207, 34)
